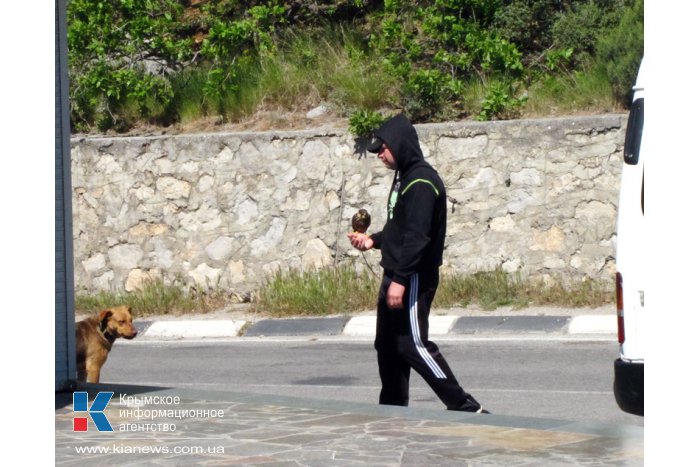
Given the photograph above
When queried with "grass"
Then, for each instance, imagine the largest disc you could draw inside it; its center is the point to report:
(489, 289)
(342, 290)
(334, 66)
(494, 289)
(304, 71)
(155, 298)
(571, 93)
(324, 292)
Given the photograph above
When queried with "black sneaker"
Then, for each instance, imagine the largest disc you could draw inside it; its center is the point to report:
(471, 405)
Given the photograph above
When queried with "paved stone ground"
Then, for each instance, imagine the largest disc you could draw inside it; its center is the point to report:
(284, 431)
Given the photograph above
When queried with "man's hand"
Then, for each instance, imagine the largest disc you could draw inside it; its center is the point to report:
(361, 241)
(394, 296)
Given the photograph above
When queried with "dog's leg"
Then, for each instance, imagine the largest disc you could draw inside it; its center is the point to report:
(93, 373)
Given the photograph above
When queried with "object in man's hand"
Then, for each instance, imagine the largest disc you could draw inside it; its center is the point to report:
(361, 221)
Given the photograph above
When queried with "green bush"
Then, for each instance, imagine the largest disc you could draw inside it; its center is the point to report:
(527, 24)
(501, 102)
(165, 61)
(363, 122)
(579, 28)
(427, 92)
(118, 53)
(620, 51)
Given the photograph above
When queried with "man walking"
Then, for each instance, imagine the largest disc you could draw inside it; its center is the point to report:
(411, 243)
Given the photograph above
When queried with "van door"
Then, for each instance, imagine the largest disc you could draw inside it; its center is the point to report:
(630, 257)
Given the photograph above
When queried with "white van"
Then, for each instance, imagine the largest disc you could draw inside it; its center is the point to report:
(630, 280)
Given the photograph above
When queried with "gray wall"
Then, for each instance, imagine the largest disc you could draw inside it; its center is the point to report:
(228, 209)
(64, 311)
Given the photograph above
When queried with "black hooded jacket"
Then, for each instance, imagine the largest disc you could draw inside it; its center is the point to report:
(413, 237)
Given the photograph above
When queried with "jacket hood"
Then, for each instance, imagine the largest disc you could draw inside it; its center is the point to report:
(401, 138)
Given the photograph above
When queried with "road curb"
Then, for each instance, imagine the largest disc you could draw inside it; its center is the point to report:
(593, 324)
(192, 329)
(365, 326)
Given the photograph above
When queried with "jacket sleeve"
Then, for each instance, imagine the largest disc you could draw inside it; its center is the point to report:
(377, 239)
(418, 200)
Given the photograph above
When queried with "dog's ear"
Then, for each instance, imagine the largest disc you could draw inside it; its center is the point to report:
(104, 316)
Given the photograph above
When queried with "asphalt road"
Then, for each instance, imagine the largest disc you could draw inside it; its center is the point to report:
(551, 378)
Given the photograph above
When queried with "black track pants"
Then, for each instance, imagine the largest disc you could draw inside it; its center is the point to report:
(402, 343)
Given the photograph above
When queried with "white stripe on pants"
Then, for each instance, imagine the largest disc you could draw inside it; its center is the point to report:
(415, 330)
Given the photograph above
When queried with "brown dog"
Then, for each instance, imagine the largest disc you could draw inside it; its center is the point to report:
(94, 337)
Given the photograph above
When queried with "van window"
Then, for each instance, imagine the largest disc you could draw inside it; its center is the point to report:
(633, 137)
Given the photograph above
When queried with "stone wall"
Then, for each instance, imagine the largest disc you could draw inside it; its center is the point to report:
(228, 209)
